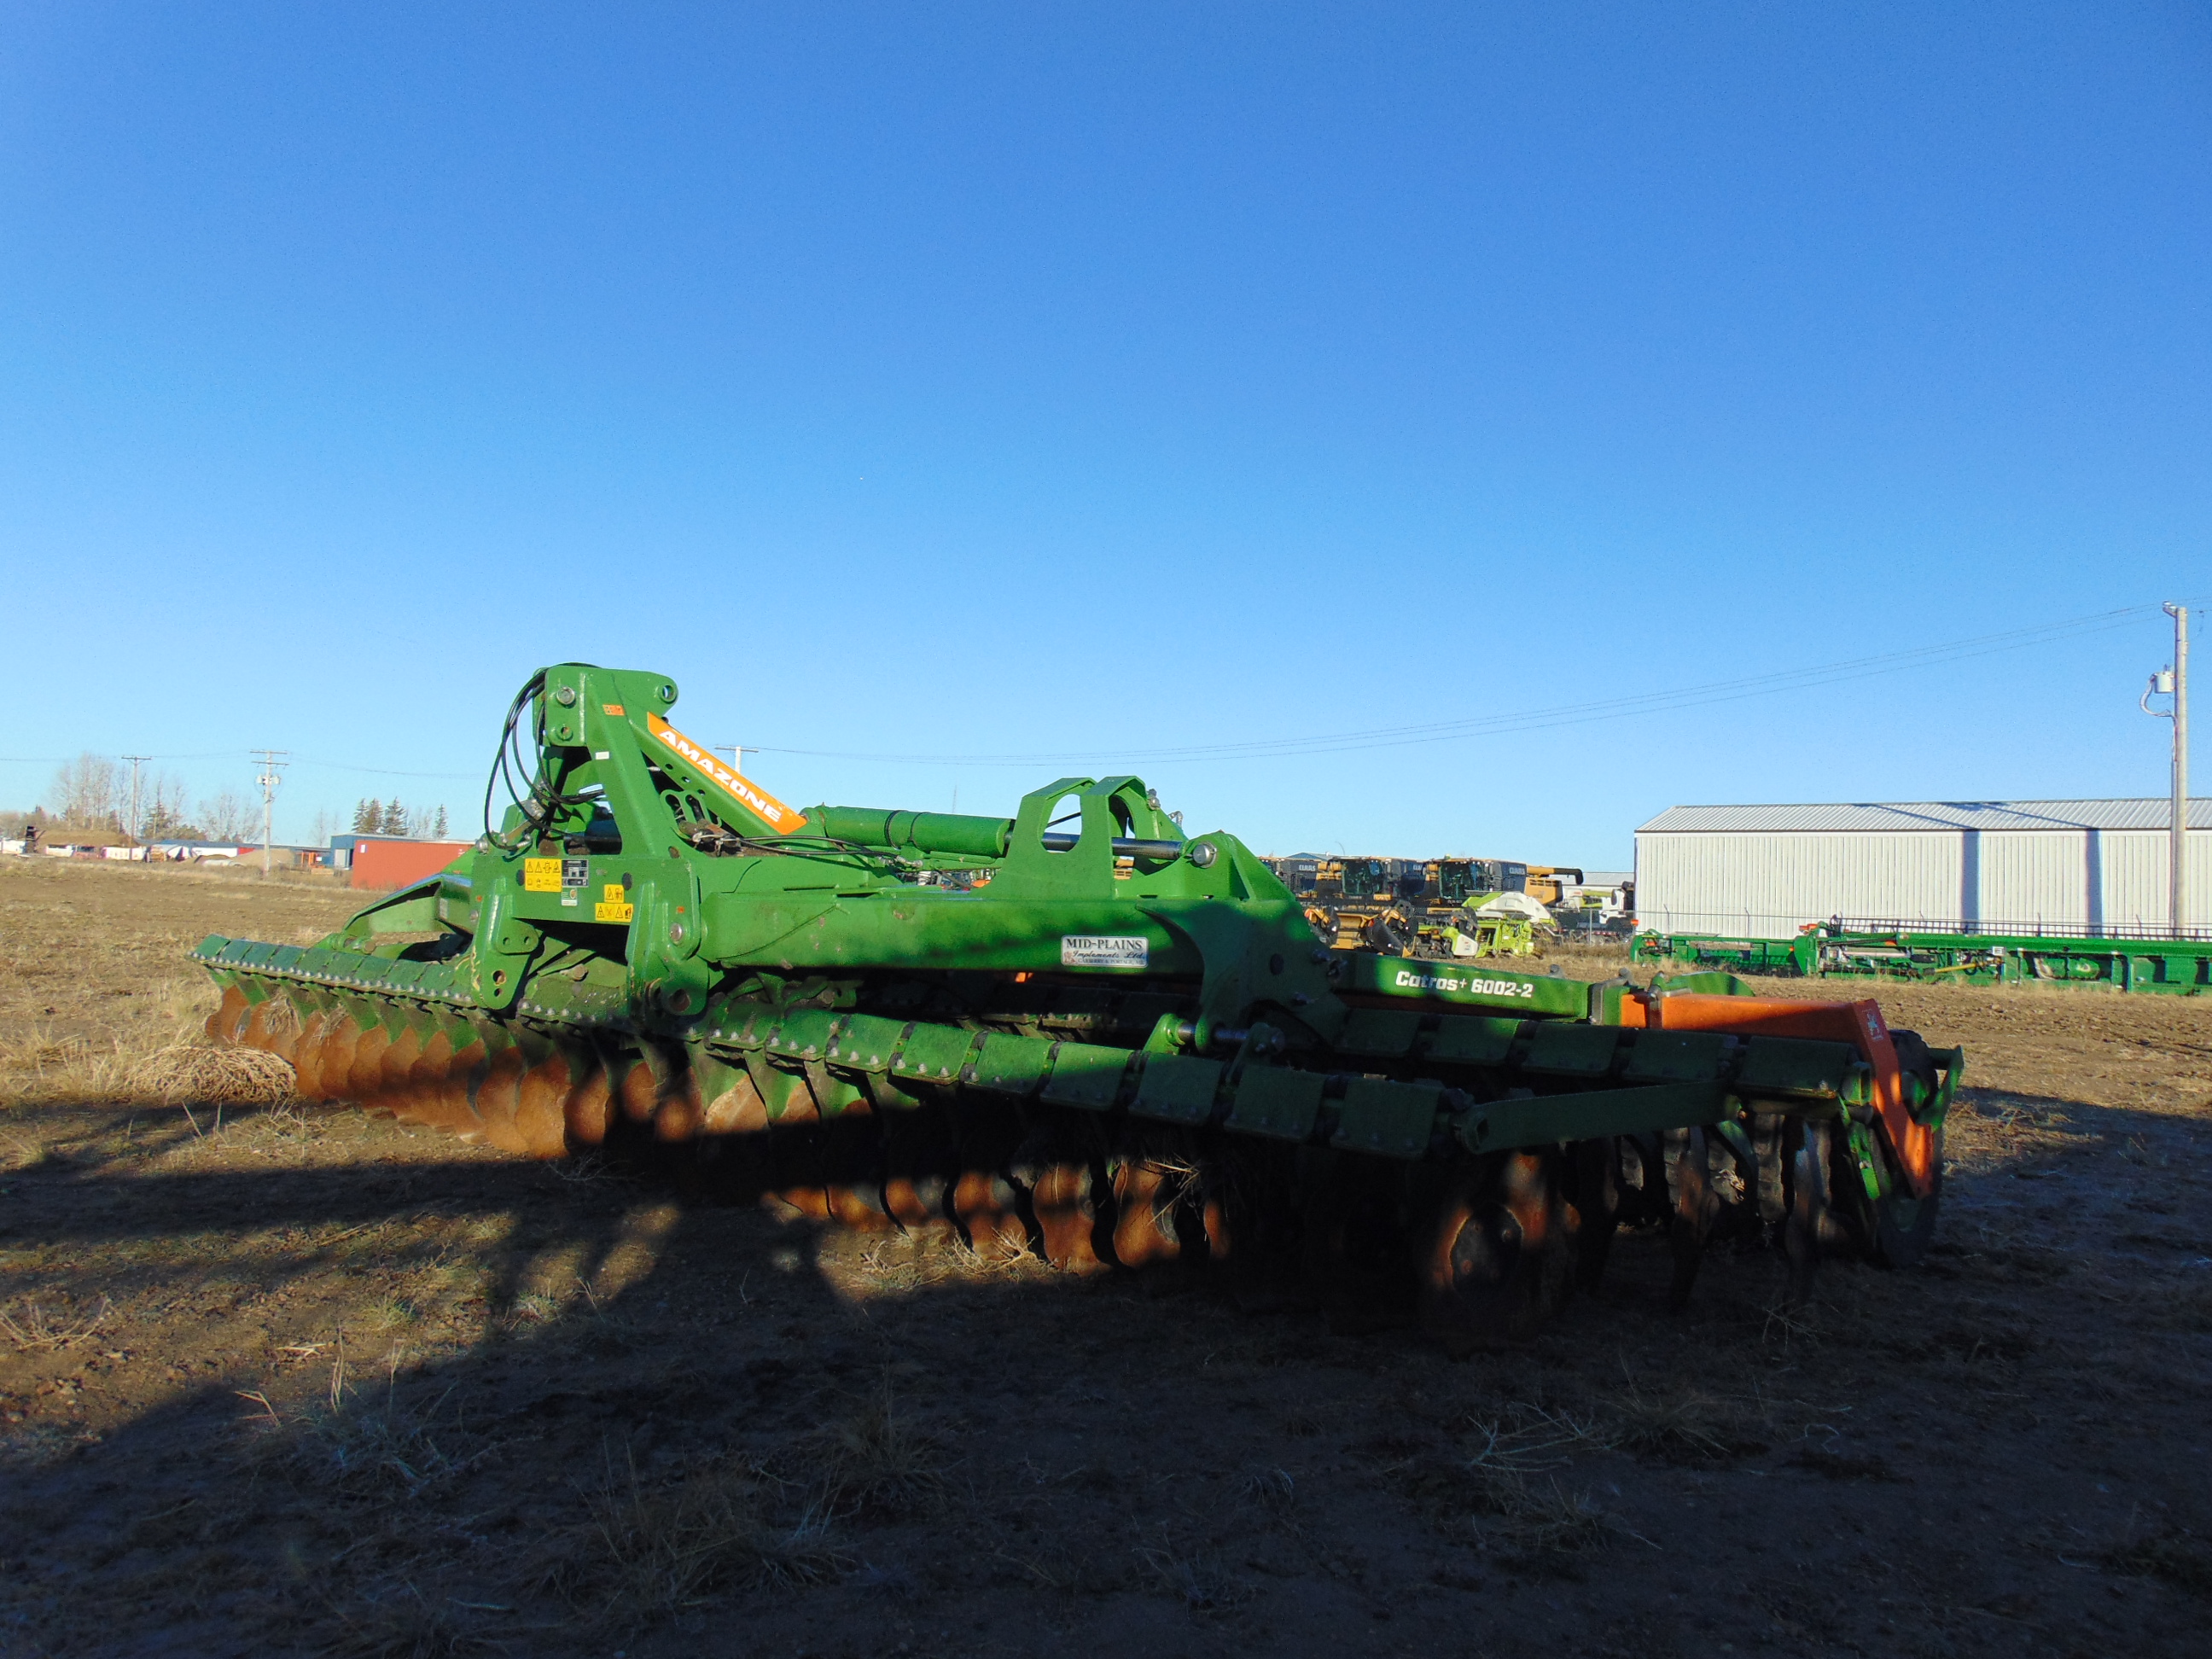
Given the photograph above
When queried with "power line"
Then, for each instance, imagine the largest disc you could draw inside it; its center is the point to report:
(226, 754)
(384, 771)
(1391, 737)
(1545, 718)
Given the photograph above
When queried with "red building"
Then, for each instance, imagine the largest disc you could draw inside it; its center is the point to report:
(383, 862)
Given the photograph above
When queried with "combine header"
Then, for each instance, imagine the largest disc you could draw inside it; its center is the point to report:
(1075, 1031)
(2120, 958)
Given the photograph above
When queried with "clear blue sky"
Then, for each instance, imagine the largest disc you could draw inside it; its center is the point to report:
(1095, 380)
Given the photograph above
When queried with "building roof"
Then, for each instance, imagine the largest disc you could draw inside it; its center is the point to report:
(1945, 815)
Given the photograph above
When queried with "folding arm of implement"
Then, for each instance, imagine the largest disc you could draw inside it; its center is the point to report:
(1075, 1029)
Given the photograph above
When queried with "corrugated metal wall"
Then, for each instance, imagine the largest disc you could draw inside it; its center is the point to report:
(1768, 885)
(2038, 876)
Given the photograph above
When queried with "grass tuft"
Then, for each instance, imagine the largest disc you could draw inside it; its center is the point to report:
(2176, 1555)
(1199, 1584)
(1523, 1518)
(878, 1460)
(33, 1329)
(662, 1548)
(1688, 1426)
(189, 1074)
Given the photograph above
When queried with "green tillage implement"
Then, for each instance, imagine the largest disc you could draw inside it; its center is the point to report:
(1075, 1031)
(2179, 966)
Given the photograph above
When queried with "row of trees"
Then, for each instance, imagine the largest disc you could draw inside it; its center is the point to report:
(394, 817)
(93, 793)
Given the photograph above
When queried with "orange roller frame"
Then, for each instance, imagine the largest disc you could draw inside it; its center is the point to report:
(1859, 1023)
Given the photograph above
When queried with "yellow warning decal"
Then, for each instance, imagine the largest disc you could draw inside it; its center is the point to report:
(763, 806)
(613, 912)
(616, 893)
(541, 875)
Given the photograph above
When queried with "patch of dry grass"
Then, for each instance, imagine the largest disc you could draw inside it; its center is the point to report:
(2174, 1554)
(1191, 1577)
(1523, 1518)
(1509, 1492)
(33, 1329)
(187, 1074)
(651, 1547)
(1685, 1425)
(878, 1460)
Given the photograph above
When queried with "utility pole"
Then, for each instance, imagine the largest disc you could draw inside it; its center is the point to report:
(737, 756)
(2173, 683)
(135, 820)
(272, 773)
(2178, 831)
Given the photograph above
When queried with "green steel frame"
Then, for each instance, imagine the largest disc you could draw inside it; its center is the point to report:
(2178, 967)
(646, 937)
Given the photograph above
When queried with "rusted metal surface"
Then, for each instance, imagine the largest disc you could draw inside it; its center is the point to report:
(1498, 1242)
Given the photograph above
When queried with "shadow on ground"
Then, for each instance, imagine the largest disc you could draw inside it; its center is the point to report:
(328, 1385)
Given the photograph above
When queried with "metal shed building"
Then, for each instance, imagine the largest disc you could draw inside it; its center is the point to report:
(1994, 866)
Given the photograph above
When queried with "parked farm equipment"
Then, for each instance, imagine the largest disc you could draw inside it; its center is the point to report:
(1415, 906)
(2122, 958)
(1116, 1045)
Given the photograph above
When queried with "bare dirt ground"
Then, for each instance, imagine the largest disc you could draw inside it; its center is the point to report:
(303, 1382)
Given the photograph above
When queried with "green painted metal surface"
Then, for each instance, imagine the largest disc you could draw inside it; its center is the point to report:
(2179, 966)
(1083, 951)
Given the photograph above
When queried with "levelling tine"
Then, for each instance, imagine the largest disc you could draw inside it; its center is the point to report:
(1342, 1204)
(1597, 1208)
(1528, 1186)
(916, 1202)
(989, 1210)
(1144, 1218)
(1804, 1147)
(1464, 1260)
(859, 1206)
(798, 1164)
(1695, 1205)
(1063, 1200)
(918, 1181)
(739, 1109)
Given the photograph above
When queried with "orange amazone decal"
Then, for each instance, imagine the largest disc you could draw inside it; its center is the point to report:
(612, 707)
(763, 806)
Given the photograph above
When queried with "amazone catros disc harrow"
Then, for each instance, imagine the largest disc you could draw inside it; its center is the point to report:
(1075, 1031)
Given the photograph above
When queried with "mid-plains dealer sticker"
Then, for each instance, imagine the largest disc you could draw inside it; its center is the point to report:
(1105, 950)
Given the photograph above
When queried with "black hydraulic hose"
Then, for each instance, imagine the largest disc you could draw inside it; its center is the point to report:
(539, 802)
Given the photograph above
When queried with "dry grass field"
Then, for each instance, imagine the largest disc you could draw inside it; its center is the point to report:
(277, 1380)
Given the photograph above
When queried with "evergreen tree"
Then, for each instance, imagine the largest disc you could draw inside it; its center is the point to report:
(438, 825)
(395, 817)
(367, 818)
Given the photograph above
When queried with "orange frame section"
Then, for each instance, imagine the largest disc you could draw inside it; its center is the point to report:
(1859, 1023)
